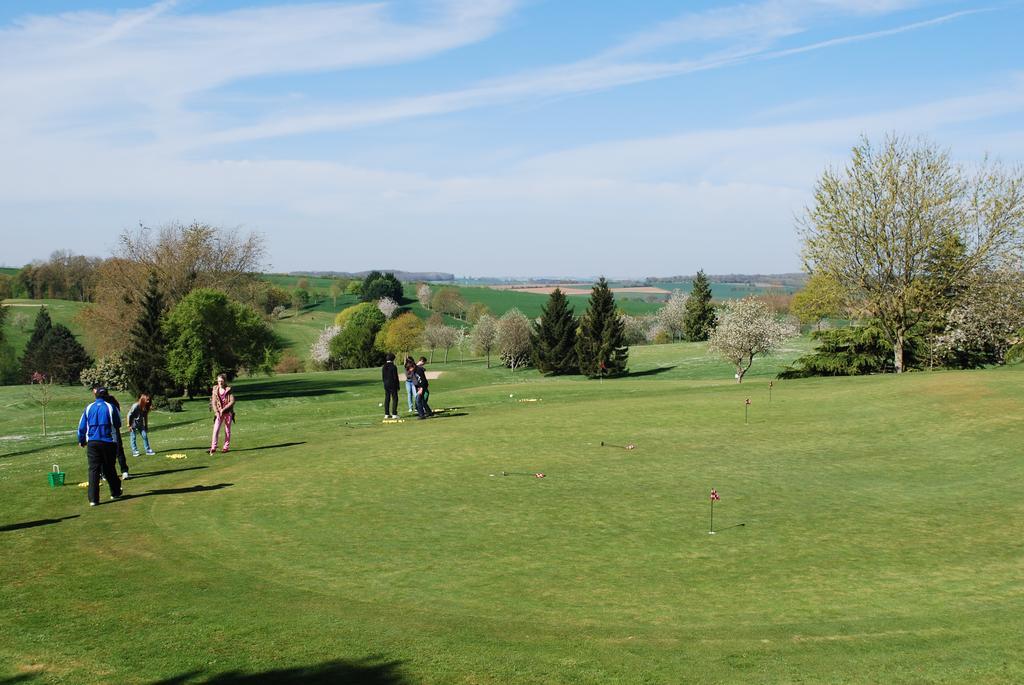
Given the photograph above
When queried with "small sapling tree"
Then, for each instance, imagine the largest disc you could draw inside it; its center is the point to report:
(41, 391)
(484, 336)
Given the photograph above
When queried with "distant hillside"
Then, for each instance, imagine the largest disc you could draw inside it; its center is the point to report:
(404, 276)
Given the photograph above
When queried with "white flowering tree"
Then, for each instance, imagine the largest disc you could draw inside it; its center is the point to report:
(484, 336)
(320, 350)
(423, 295)
(387, 306)
(672, 316)
(635, 328)
(987, 317)
(513, 339)
(461, 340)
(747, 329)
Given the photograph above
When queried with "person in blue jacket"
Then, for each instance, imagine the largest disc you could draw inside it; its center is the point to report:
(98, 433)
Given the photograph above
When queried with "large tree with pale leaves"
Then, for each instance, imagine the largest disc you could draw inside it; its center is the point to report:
(877, 225)
(746, 329)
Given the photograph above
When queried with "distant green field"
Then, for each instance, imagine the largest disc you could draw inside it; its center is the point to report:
(289, 281)
(729, 291)
(868, 532)
(530, 304)
(61, 311)
(8, 270)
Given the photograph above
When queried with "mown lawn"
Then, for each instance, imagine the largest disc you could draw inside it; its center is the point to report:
(880, 539)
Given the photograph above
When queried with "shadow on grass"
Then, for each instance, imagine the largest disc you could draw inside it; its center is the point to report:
(176, 491)
(649, 372)
(33, 524)
(202, 448)
(23, 678)
(268, 447)
(296, 387)
(33, 451)
(370, 671)
(173, 424)
(149, 474)
(447, 414)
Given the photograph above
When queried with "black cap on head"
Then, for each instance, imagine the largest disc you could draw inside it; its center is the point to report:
(390, 356)
(101, 391)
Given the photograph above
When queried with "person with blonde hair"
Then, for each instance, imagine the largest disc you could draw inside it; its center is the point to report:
(223, 404)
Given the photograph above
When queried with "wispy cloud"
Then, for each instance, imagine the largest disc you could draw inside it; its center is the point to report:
(149, 62)
(603, 72)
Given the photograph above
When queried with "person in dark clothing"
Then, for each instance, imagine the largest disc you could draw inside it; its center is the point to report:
(121, 460)
(97, 431)
(422, 389)
(389, 375)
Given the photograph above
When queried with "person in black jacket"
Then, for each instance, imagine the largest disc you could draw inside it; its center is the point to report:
(389, 374)
(422, 389)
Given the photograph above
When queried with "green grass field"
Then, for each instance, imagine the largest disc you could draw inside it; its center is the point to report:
(881, 539)
(728, 291)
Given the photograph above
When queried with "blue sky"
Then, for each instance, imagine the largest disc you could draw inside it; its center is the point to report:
(481, 137)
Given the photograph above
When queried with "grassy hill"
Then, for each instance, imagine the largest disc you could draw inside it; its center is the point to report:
(868, 532)
(61, 311)
(300, 329)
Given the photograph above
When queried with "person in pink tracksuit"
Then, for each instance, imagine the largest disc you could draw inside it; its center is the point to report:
(223, 404)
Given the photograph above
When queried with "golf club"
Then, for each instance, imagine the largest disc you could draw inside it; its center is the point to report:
(629, 446)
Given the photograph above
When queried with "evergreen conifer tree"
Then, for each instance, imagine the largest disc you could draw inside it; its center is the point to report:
(700, 313)
(31, 360)
(62, 357)
(146, 356)
(553, 340)
(601, 346)
(53, 351)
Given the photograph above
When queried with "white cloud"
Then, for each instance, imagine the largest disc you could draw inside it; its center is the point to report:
(722, 199)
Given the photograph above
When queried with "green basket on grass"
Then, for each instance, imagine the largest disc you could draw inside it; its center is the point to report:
(56, 477)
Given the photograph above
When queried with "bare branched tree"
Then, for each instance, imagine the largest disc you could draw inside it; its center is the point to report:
(183, 258)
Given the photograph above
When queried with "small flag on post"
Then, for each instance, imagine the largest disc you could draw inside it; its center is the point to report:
(714, 498)
(770, 384)
(746, 409)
